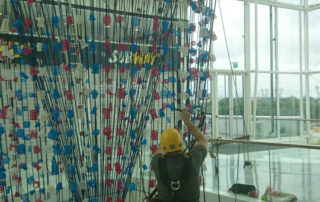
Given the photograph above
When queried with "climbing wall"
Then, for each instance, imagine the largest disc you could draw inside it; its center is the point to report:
(87, 87)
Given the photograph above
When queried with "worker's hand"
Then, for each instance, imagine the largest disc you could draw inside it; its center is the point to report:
(185, 115)
(177, 128)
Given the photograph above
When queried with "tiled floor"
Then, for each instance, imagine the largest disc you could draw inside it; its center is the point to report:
(292, 170)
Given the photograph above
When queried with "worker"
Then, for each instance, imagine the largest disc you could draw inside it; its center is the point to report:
(177, 173)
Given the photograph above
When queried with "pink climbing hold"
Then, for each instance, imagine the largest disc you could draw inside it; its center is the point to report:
(33, 115)
(65, 45)
(154, 148)
(153, 114)
(106, 20)
(120, 151)
(154, 135)
(108, 150)
(119, 186)
(69, 20)
(28, 23)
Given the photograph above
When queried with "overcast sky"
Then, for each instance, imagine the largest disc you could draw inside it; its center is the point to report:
(288, 35)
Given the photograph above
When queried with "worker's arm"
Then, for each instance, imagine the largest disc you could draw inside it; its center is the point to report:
(200, 138)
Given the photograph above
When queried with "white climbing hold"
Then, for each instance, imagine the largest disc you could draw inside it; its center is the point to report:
(5, 26)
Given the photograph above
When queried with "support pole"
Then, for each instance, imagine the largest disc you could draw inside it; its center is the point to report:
(247, 77)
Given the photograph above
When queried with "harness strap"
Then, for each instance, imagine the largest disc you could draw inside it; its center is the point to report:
(176, 184)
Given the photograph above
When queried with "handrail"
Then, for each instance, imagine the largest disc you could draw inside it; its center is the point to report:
(219, 141)
(269, 118)
(289, 119)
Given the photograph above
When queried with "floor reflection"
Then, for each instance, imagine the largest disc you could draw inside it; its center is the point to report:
(295, 171)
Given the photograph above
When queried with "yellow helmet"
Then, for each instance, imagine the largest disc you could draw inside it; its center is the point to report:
(171, 141)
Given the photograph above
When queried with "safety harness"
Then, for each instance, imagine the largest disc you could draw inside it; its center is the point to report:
(174, 185)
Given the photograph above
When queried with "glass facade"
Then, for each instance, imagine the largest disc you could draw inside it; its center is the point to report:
(279, 71)
(281, 78)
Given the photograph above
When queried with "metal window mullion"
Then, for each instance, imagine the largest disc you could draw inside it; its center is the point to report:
(271, 32)
(215, 106)
(246, 80)
(275, 4)
(226, 71)
(314, 72)
(231, 113)
(276, 63)
(256, 69)
(215, 100)
(306, 63)
(301, 111)
(279, 72)
(313, 7)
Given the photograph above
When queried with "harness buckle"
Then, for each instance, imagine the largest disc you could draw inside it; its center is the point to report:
(175, 185)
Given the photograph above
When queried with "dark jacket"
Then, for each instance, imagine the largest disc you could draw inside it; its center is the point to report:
(180, 165)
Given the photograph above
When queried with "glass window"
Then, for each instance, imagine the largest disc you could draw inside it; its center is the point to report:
(223, 96)
(238, 109)
(315, 96)
(252, 36)
(263, 37)
(288, 40)
(264, 100)
(312, 2)
(237, 95)
(289, 127)
(314, 88)
(314, 42)
(289, 92)
(266, 106)
(289, 105)
(234, 27)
